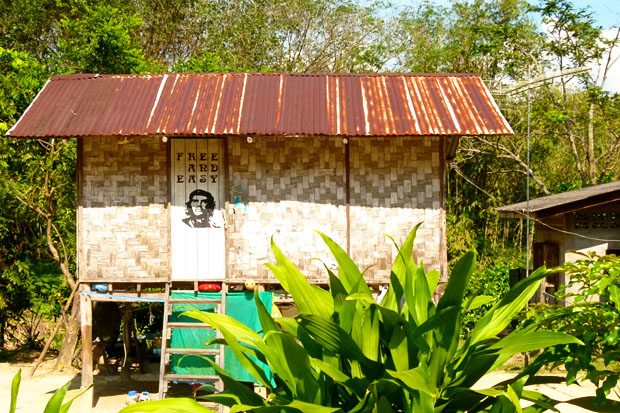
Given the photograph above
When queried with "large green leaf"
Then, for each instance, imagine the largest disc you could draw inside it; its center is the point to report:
(312, 408)
(329, 335)
(237, 329)
(241, 391)
(403, 261)
(66, 406)
(501, 314)
(477, 301)
(350, 276)
(294, 406)
(370, 331)
(399, 348)
(422, 297)
(173, 405)
(416, 379)
(234, 332)
(524, 341)
(455, 289)
(291, 363)
(55, 402)
(345, 308)
(15, 390)
(541, 402)
(309, 298)
(264, 317)
(432, 278)
(447, 332)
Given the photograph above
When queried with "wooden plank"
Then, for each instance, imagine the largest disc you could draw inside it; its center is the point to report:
(86, 314)
(163, 385)
(177, 210)
(188, 377)
(179, 324)
(193, 351)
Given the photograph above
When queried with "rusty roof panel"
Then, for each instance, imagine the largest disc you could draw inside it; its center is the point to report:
(263, 104)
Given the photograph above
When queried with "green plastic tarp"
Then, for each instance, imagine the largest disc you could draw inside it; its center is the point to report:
(240, 306)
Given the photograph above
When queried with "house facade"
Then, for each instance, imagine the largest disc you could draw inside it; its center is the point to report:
(279, 155)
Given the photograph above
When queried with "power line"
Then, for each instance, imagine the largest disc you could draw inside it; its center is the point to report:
(459, 172)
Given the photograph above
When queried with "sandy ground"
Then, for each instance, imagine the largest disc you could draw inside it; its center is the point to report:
(110, 393)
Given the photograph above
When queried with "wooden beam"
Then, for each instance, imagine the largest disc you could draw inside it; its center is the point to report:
(86, 313)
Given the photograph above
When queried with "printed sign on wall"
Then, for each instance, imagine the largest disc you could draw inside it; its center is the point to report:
(197, 209)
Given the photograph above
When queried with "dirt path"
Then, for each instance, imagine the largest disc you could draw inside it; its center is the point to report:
(34, 393)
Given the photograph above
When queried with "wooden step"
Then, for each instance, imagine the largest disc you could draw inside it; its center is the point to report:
(194, 351)
(179, 324)
(190, 377)
(194, 301)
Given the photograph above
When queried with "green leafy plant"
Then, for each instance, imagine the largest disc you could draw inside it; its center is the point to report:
(589, 308)
(346, 352)
(55, 403)
(490, 283)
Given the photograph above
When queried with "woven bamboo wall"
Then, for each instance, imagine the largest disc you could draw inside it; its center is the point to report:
(285, 188)
(281, 187)
(395, 184)
(123, 197)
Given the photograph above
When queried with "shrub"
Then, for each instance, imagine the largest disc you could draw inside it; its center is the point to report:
(346, 352)
(492, 282)
(590, 311)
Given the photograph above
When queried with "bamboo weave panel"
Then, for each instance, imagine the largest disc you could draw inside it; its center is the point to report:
(395, 184)
(285, 189)
(124, 219)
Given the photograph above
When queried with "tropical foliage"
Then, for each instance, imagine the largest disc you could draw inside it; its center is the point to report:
(588, 308)
(347, 352)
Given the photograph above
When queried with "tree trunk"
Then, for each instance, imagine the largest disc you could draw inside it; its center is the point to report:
(67, 349)
(591, 156)
(2, 331)
(127, 324)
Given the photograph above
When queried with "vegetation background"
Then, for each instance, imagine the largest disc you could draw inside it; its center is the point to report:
(574, 120)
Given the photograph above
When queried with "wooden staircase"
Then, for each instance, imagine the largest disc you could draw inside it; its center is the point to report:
(165, 369)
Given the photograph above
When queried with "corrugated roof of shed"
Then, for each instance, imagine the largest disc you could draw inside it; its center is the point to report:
(564, 202)
(205, 104)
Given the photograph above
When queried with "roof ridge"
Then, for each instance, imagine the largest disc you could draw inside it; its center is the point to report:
(84, 76)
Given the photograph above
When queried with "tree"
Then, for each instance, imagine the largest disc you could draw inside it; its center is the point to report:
(103, 41)
(21, 238)
(579, 105)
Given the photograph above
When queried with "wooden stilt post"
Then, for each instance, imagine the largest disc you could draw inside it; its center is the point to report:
(127, 325)
(86, 312)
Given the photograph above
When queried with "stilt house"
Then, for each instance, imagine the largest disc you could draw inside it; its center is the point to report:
(187, 177)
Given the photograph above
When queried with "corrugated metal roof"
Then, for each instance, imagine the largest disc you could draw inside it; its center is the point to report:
(262, 104)
(565, 202)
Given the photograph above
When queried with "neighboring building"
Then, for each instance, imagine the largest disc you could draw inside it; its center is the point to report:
(583, 220)
(185, 177)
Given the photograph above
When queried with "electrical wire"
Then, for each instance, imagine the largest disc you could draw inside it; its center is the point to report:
(459, 172)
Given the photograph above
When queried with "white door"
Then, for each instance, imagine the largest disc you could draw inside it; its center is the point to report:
(197, 209)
